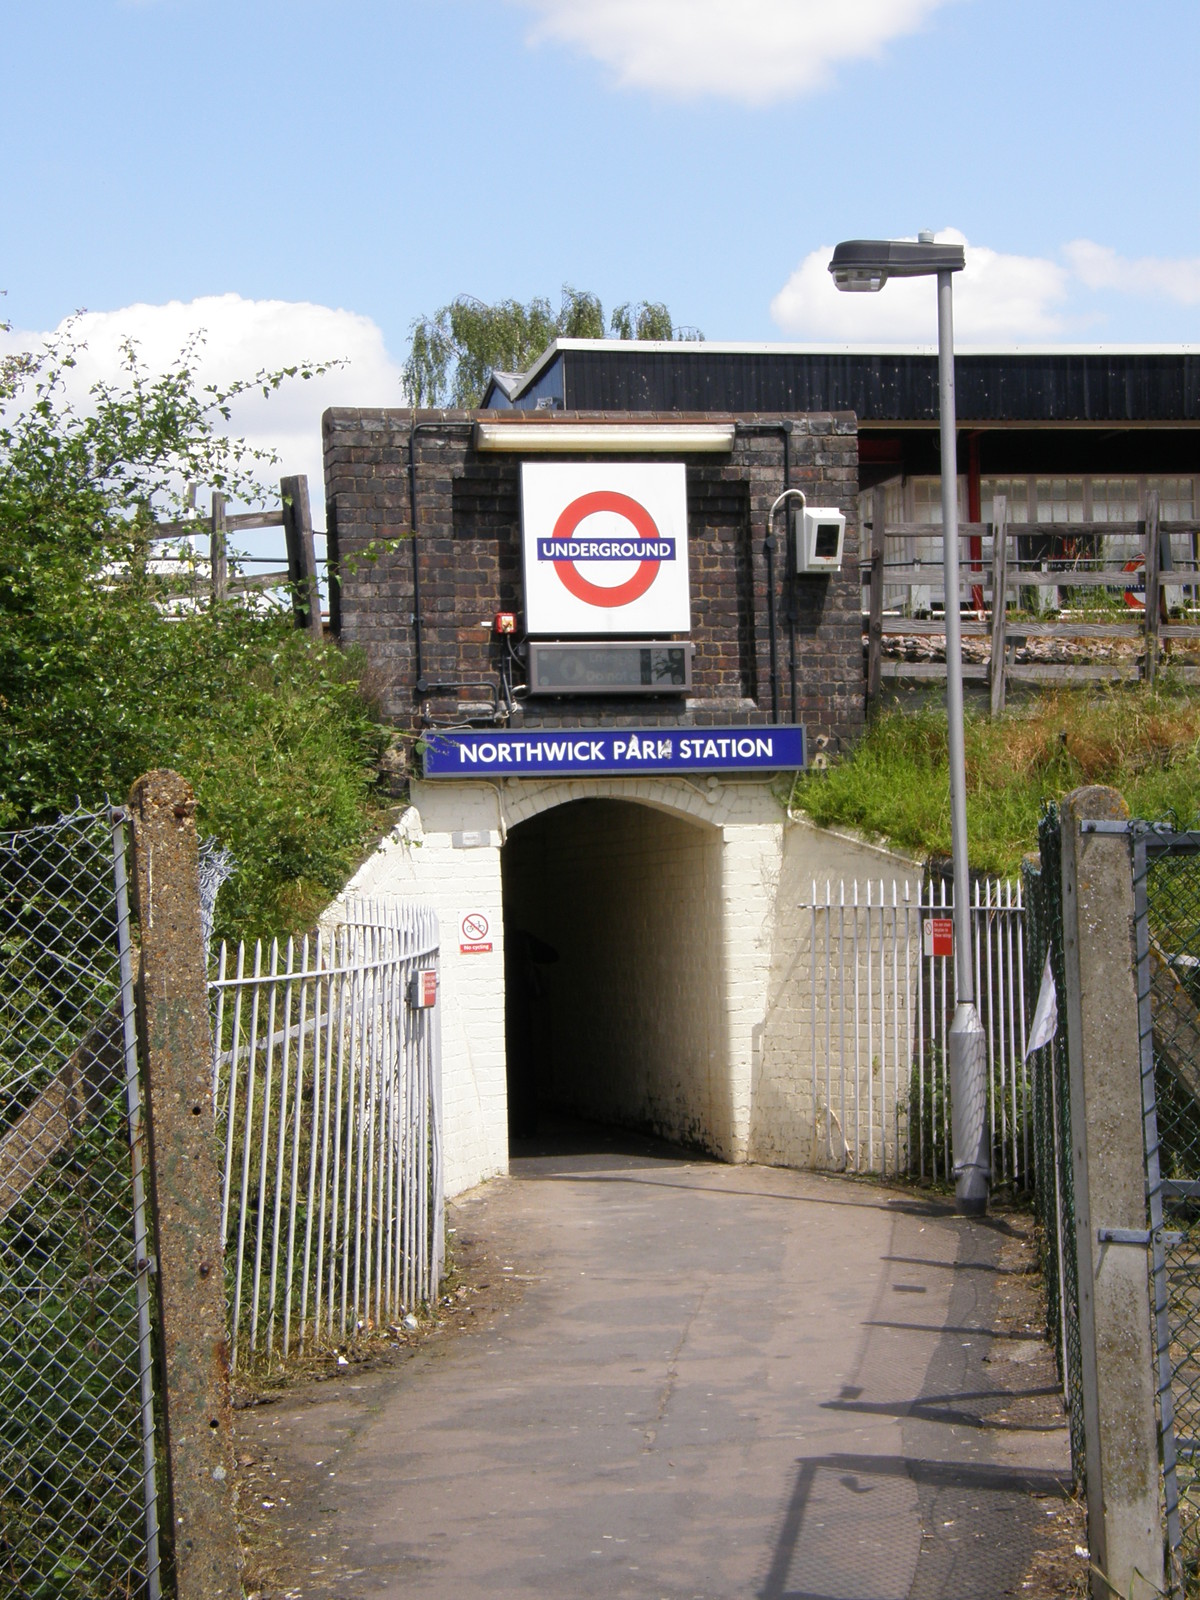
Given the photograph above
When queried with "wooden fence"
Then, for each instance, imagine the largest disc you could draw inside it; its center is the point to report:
(1013, 568)
(293, 515)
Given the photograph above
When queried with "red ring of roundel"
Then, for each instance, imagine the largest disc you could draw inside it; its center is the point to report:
(594, 594)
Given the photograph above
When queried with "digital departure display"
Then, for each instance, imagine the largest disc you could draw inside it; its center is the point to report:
(604, 668)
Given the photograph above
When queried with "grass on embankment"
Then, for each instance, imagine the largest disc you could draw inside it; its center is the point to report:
(895, 783)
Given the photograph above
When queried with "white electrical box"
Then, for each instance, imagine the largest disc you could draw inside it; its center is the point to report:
(818, 533)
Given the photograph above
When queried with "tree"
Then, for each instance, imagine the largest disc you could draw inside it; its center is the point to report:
(452, 353)
(649, 319)
(97, 684)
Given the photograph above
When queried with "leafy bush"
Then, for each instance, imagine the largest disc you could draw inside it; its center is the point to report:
(97, 685)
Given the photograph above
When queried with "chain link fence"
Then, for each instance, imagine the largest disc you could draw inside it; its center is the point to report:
(326, 1075)
(1167, 900)
(78, 1503)
(1165, 864)
(1050, 1108)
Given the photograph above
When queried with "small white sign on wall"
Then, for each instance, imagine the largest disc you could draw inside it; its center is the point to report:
(474, 934)
(605, 548)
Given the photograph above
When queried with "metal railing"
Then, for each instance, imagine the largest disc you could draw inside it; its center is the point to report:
(79, 1515)
(880, 1008)
(327, 1085)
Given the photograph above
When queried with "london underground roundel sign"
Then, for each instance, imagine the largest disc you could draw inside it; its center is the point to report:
(605, 548)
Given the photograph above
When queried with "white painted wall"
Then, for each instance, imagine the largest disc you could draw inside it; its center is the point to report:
(717, 1021)
(426, 866)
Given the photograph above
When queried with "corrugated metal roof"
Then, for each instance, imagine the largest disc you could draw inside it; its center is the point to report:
(1080, 384)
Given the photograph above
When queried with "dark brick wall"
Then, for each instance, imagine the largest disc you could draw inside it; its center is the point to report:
(468, 549)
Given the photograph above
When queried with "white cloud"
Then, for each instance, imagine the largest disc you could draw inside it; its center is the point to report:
(241, 337)
(756, 51)
(996, 297)
(1098, 266)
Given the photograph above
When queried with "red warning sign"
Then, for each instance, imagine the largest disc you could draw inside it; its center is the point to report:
(473, 933)
(939, 936)
(1135, 595)
(422, 991)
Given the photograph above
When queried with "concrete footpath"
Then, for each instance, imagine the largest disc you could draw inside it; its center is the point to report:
(699, 1382)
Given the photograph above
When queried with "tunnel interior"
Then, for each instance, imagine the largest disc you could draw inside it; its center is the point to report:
(614, 980)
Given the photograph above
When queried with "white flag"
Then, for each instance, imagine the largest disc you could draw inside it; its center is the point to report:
(1045, 1013)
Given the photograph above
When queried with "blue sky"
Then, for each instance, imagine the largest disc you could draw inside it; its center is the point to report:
(304, 180)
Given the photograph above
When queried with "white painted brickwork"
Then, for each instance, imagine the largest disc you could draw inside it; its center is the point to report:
(425, 866)
(789, 1129)
(693, 918)
(834, 1086)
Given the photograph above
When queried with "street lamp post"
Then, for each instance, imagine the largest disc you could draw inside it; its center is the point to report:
(866, 265)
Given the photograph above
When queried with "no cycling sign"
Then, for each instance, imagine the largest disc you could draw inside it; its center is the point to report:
(605, 548)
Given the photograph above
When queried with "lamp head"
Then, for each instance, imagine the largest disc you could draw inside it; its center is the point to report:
(859, 280)
(865, 265)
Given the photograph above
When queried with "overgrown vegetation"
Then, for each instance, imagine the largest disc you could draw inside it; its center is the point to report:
(896, 781)
(452, 353)
(96, 685)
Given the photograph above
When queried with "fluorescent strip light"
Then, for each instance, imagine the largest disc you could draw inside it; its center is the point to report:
(597, 438)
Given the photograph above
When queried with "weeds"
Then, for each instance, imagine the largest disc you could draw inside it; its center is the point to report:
(1146, 743)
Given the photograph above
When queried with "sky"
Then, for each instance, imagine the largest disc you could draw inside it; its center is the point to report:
(301, 181)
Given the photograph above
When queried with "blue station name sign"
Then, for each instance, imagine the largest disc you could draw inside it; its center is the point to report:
(559, 752)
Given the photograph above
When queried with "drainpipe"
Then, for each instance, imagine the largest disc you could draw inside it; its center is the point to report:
(792, 615)
(788, 494)
(770, 545)
(769, 552)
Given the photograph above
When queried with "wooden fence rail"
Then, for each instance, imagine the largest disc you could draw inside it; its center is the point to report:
(1008, 575)
(294, 516)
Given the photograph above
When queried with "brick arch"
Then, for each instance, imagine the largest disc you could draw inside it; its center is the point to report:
(679, 799)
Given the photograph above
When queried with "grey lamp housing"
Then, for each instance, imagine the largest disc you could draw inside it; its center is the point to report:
(867, 264)
(817, 535)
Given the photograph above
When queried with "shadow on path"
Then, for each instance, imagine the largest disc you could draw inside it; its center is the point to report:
(705, 1382)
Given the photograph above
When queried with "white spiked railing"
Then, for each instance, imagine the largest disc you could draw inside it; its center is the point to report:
(880, 1009)
(327, 1083)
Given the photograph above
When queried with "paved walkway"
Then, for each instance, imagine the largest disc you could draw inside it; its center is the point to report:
(717, 1382)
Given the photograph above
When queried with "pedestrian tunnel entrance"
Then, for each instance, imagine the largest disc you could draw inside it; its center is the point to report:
(614, 973)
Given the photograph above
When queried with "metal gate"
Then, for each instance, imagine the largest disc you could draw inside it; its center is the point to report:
(881, 1005)
(327, 1083)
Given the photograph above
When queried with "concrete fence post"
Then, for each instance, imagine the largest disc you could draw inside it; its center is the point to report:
(1125, 1531)
(175, 1047)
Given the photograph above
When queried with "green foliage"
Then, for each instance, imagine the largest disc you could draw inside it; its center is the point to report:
(284, 772)
(649, 319)
(453, 352)
(896, 781)
(97, 685)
